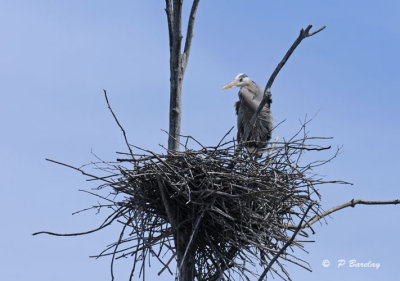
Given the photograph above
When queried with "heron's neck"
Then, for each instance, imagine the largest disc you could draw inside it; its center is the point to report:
(254, 89)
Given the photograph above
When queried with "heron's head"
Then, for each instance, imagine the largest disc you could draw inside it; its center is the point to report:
(239, 81)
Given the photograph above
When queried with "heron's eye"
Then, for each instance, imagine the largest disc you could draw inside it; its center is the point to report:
(241, 79)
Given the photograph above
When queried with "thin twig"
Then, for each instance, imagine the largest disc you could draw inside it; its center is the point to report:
(164, 198)
(287, 244)
(119, 125)
(80, 170)
(117, 214)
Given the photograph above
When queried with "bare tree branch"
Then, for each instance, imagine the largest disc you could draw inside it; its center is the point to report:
(80, 170)
(168, 11)
(108, 221)
(304, 33)
(119, 125)
(351, 203)
(165, 200)
(189, 244)
(287, 244)
(166, 265)
(176, 77)
(189, 33)
(178, 64)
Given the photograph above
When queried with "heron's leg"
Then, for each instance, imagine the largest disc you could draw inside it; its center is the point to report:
(235, 155)
(237, 150)
(257, 155)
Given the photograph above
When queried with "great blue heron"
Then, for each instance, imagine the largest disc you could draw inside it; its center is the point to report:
(250, 96)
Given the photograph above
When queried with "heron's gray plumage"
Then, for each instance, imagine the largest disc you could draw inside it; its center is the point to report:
(250, 96)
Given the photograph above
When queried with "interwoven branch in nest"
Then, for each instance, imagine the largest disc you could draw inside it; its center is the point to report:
(236, 210)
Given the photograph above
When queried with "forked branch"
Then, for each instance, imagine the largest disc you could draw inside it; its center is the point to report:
(178, 64)
(351, 203)
(304, 33)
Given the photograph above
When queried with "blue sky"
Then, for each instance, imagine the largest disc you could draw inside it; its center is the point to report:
(57, 56)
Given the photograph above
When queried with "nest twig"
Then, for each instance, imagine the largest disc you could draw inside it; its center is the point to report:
(236, 210)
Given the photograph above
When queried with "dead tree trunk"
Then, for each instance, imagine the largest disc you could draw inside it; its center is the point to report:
(178, 63)
(185, 262)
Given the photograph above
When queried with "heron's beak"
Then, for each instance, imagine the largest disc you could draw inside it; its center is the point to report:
(230, 85)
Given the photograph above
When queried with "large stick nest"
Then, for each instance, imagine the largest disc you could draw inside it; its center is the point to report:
(234, 212)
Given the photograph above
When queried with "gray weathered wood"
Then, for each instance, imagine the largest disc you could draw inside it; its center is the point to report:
(178, 64)
(304, 33)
